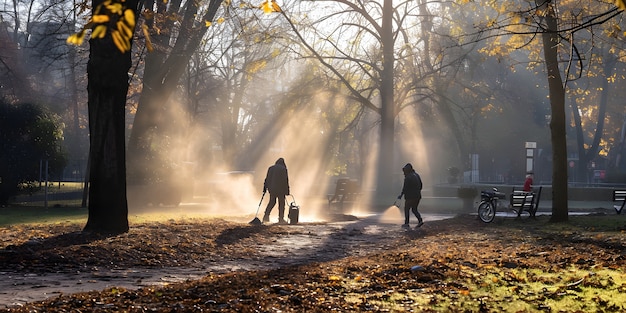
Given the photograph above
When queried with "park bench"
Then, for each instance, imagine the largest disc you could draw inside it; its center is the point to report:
(525, 201)
(619, 196)
(346, 190)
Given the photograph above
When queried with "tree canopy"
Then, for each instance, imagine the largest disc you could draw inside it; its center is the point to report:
(30, 137)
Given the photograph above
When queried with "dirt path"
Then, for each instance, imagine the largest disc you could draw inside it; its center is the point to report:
(289, 244)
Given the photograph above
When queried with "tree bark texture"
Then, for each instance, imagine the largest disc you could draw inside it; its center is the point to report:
(387, 109)
(557, 122)
(586, 156)
(162, 74)
(107, 87)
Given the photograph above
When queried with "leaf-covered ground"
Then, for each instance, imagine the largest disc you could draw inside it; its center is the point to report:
(454, 265)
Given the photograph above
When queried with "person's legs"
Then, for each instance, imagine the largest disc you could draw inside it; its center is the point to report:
(268, 208)
(414, 206)
(281, 208)
(407, 210)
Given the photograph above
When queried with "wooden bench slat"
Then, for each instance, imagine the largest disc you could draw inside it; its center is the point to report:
(619, 195)
(524, 200)
(345, 190)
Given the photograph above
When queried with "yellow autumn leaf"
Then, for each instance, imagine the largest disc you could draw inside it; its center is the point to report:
(76, 39)
(620, 4)
(99, 32)
(100, 18)
(334, 278)
(516, 19)
(270, 6)
(146, 34)
(275, 6)
(208, 23)
(129, 17)
(266, 7)
(255, 67)
(220, 20)
(115, 8)
(122, 44)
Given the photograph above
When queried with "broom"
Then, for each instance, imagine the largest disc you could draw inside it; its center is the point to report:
(256, 220)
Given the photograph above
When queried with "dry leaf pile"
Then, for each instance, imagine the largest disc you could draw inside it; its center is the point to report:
(455, 265)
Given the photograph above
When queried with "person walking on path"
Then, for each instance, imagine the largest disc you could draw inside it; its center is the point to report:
(412, 191)
(277, 183)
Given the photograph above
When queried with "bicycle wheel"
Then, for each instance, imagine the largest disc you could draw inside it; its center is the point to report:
(486, 212)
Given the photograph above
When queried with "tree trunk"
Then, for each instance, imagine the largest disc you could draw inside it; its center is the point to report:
(557, 122)
(387, 110)
(165, 72)
(586, 156)
(581, 167)
(107, 87)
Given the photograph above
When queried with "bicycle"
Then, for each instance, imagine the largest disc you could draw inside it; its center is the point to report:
(488, 204)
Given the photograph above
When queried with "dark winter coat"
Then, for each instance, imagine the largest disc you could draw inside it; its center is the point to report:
(412, 188)
(277, 179)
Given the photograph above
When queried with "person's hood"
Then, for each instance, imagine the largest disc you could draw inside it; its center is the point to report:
(281, 161)
(408, 168)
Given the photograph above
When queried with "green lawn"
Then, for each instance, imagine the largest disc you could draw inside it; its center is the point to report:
(13, 215)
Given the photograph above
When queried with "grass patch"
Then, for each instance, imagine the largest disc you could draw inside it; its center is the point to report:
(498, 289)
(69, 212)
(591, 223)
(14, 215)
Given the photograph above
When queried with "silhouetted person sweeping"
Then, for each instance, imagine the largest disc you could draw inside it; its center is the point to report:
(277, 183)
(412, 191)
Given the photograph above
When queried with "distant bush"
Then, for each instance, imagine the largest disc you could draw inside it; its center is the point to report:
(28, 134)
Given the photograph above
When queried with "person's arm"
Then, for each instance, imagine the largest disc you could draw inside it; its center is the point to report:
(287, 179)
(403, 188)
(419, 182)
(268, 179)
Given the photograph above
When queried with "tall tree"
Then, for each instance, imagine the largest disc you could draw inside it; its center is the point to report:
(434, 69)
(112, 25)
(371, 55)
(592, 97)
(557, 107)
(248, 62)
(556, 27)
(177, 29)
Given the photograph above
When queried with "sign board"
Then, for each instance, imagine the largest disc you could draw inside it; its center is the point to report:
(531, 145)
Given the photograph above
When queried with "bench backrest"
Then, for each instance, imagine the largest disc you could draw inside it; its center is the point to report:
(619, 195)
(522, 199)
(526, 199)
(346, 186)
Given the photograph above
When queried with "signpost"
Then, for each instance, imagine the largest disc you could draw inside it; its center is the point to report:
(530, 156)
